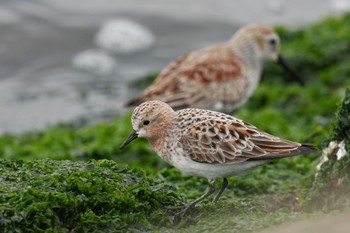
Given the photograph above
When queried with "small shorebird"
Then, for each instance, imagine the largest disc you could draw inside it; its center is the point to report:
(206, 143)
(221, 77)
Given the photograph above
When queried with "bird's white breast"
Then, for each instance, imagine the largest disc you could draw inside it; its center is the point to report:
(213, 171)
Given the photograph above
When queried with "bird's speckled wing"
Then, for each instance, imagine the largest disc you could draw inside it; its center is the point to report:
(193, 79)
(212, 137)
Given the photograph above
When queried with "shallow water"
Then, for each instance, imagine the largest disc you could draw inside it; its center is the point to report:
(39, 39)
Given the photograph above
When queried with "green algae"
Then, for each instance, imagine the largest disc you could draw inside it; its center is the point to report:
(66, 196)
(342, 123)
(332, 184)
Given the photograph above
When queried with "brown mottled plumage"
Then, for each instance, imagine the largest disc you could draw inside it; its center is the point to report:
(220, 77)
(207, 143)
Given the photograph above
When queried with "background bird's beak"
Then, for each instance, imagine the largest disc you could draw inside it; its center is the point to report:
(132, 136)
(286, 67)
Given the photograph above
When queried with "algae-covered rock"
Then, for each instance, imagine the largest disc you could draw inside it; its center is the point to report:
(332, 184)
(66, 196)
(342, 124)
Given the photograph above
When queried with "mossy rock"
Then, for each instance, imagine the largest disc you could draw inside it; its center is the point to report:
(66, 196)
(332, 184)
(342, 122)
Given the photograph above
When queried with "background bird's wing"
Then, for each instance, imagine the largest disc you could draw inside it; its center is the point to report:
(182, 82)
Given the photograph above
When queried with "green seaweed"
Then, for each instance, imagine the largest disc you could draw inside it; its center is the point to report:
(332, 184)
(342, 123)
(66, 196)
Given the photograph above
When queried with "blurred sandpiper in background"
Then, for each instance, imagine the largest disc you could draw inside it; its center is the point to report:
(63, 60)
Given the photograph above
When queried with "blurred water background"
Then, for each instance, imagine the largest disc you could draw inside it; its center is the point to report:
(62, 60)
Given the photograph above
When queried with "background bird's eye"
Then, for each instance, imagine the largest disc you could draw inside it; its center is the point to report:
(146, 122)
(272, 42)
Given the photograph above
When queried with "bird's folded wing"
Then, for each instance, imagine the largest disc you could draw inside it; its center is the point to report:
(235, 142)
(192, 77)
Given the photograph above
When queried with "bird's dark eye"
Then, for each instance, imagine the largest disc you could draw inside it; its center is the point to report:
(273, 42)
(146, 122)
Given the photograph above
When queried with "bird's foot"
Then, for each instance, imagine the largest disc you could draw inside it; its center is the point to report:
(184, 208)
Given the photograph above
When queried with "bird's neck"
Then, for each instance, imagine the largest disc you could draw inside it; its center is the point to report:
(163, 147)
(157, 144)
(252, 60)
(248, 54)
(160, 142)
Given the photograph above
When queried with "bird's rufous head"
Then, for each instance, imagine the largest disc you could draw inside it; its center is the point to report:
(149, 120)
(260, 41)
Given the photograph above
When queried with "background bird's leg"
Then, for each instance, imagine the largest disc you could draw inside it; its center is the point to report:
(223, 187)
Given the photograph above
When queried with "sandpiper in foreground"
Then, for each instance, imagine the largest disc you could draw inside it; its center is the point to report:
(208, 144)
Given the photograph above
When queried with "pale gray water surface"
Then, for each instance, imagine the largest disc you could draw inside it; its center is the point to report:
(39, 40)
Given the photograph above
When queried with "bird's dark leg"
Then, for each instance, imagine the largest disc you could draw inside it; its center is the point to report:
(209, 191)
(223, 187)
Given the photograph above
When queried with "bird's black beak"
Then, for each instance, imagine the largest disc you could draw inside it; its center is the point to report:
(132, 136)
(286, 67)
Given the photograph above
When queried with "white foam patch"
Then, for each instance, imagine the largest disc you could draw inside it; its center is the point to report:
(325, 153)
(340, 5)
(95, 61)
(275, 6)
(329, 151)
(341, 151)
(124, 37)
